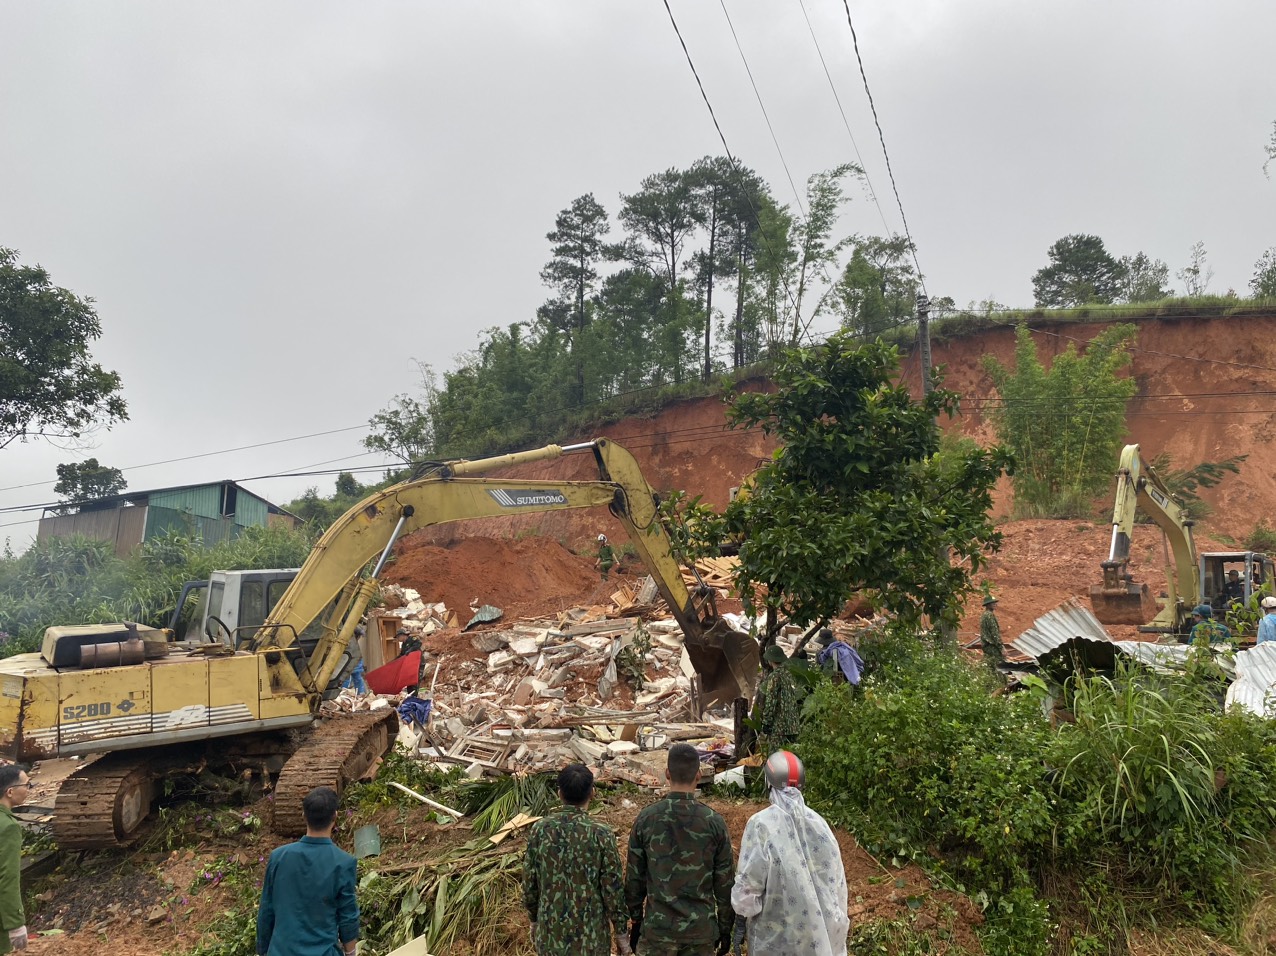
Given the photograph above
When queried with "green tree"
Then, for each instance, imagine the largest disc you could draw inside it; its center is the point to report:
(813, 234)
(86, 480)
(1263, 284)
(50, 387)
(1081, 271)
(1065, 425)
(348, 486)
(727, 195)
(577, 243)
(1196, 275)
(878, 287)
(774, 261)
(858, 496)
(404, 429)
(1144, 279)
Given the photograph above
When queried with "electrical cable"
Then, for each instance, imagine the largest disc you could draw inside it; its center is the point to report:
(885, 153)
(845, 122)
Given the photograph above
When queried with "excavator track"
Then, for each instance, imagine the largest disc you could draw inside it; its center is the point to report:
(105, 803)
(339, 751)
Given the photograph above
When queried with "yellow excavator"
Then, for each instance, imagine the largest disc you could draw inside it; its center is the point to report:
(248, 699)
(1191, 579)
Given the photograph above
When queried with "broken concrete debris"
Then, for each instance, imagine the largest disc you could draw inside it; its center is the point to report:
(539, 694)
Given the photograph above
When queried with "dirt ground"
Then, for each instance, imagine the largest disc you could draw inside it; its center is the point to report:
(147, 902)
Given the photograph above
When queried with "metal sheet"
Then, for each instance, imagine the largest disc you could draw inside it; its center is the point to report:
(1070, 621)
(1255, 686)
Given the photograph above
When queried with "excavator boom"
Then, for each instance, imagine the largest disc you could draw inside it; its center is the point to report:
(1118, 600)
(726, 661)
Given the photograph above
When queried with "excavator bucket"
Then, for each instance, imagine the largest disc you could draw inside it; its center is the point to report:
(726, 661)
(1126, 603)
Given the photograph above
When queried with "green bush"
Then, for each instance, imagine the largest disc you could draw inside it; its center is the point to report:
(81, 580)
(923, 763)
(1262, 538)
(1159, 790)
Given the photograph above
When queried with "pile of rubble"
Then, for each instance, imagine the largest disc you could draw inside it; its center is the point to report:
(608, 692)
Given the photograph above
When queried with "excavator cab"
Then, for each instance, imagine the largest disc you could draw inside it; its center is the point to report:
(1229, 577)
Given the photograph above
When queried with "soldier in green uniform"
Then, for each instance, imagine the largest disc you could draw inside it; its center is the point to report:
(14, 787)
(573, 886)
(779, 706)
(990, 636)
(680, 867)
(606, 556)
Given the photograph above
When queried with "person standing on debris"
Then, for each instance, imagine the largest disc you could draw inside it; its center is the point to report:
(308, 905)
(990, 636)
(680, 866)
(790, 888)
(1206, 630)
(779, 705)
(606, 556)
(15, 786)
(355, 680)
(1267, 626)
(573, 886)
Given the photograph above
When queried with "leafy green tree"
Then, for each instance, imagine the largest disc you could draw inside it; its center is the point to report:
(1066, 424)
(404, 429)
(1081, 271)
(1144, 279)
(1263, 284)
(50, 387)
(878, 287)
(577, 242)
(728, 195)
(86, 480)
(1196, 275)
(858, 496)
(348, 486)
(770, 286)
(813, 234)
(1270, 150)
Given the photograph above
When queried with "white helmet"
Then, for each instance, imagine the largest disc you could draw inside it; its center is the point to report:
(783, 769)
(602, 537)
(1269, 601)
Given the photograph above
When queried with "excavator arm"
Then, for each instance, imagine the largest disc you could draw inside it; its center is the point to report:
(1118, 600)
(330, 587)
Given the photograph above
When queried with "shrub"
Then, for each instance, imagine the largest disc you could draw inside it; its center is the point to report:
(1262, 538)
(1159, 791)
(924, 764)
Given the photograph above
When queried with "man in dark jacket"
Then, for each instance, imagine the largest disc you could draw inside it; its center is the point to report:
(308, 905)
(680, 868)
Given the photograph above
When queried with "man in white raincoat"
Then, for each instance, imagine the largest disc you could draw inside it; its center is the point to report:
(790, 883)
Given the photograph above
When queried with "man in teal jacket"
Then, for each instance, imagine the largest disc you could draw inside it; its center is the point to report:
(308, 906)
(14, 787)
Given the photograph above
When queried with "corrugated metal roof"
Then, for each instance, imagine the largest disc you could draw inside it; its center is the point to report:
(1255, 686)
(1069, 621)
(1071, 629)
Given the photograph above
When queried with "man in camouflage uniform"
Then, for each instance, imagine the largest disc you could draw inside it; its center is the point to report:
(680, 866)
(573, 886)
(990, 636)
(779, 706)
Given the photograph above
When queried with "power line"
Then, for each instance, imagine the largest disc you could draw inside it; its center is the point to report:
(762, 106)
(845, 122)
(885, 153)
(206, 454)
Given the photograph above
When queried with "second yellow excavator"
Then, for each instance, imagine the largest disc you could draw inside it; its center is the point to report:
(1216, 578)
(248, 698)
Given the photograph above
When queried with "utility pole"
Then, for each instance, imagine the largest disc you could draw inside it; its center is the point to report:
(923, 340)
(947, 633)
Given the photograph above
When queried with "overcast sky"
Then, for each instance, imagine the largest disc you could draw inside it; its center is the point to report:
(278, 206)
